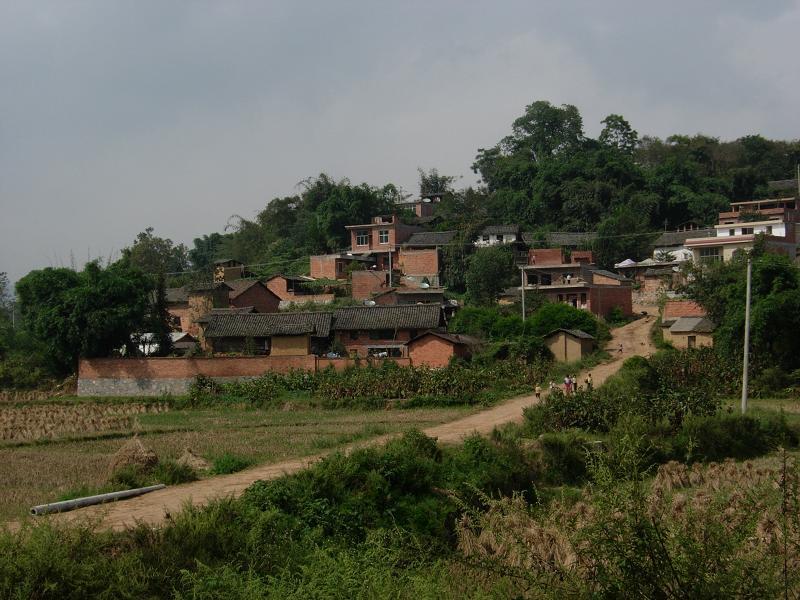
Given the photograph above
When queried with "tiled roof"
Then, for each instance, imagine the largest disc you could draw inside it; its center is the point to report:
(412, 316)
(677, 238)
(500, 229)
(268, 324)
(674, 309)
(430, 238)
(578, 333)
(240, 286)
(244, 310)
(569, 238)
(176, 295)
(692, 325)
(783, 184)
(463, 340)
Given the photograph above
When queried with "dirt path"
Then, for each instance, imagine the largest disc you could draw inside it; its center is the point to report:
(153, 508)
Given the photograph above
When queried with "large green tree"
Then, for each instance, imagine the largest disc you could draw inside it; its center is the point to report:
(85, 314)
(153, 254)
(490, 271)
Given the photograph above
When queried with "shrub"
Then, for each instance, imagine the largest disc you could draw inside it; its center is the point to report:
(170, 472)
(229, 463)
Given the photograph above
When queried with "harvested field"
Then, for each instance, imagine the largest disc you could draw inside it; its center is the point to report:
(43, 468)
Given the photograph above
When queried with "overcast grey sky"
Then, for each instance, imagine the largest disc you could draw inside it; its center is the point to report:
(115, 116)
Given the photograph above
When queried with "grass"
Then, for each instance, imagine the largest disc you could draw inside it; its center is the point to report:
(37, 472)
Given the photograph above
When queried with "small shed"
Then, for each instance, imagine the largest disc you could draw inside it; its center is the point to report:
(436, 348)
(691, 332)
(569, 345)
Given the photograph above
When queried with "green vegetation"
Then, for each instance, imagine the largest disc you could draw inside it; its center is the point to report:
(229, 463)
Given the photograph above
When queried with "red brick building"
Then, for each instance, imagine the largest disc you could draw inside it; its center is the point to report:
(336, 266)
(251, 292)
(294, 289)
(380, 239)
(436, 349)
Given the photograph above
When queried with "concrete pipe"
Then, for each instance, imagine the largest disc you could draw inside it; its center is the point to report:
(56, 507)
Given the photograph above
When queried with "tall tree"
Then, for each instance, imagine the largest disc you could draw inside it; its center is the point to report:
(433, 182)
(617, 133)
(490, 271)
(153, 254)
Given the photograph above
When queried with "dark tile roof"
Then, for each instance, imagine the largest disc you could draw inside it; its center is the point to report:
(783, 184)
(268, 324)
(176, 295)
(427, 220)
(578, 333)
(498, 229)
(454, 338)
(244, 310)
(206, 286)
(430, 238)
(409, 316)
(569, 238)
(692, 325)
(677, 238)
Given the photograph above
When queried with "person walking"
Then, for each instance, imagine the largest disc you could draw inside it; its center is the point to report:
(620, 348)
(589, 383)
(538, 392)
(567, 385)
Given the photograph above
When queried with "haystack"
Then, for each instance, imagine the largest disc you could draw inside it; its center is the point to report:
(134, 454)
(190, 459)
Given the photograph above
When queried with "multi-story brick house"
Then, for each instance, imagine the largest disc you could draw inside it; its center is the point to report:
(498, 235)
(380, 239)
(383, 330)
(337, 266)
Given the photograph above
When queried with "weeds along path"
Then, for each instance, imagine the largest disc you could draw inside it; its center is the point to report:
(156, 507)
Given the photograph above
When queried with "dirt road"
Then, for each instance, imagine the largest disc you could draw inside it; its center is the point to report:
(154, 507)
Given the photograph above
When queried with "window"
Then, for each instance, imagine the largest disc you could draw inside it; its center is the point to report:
(486, 238)
(769, 229)
(710, 254)
(389, 352)
(381, 334)
(499, 238)
(747, 230)
(362, 237)
(731, 232)
(383, 236)
(691, 341)
(353, 335)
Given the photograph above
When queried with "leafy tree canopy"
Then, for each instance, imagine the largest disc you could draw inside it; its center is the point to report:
(490, 271)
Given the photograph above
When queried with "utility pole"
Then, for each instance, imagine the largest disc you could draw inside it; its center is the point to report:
(746, 356)
(390, 268)
(522, 287)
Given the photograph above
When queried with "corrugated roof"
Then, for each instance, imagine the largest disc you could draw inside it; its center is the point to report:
(410, 316)
(268, 324)
(430, 238)
(578, 333)
(677, 238)
(692, 325)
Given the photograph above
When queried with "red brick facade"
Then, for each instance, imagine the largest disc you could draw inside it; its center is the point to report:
(358, 342)
(603, 299)
(326, 266)
(258, 296)
(435, 352)
(545, 256)
(419, 263)
(366, 282)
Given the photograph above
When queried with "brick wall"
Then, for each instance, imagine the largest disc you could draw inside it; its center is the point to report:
(598, 279)
(323, 266)
(366, 282)
(262, 298)
(545, 256)
(603, 299)
(181, 312)
(157, 376)
(277, 285)
(431, 351)
(420, 263)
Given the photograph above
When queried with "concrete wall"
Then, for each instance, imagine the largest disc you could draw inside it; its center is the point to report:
(681, 340)
(566, 348)
(157, 376)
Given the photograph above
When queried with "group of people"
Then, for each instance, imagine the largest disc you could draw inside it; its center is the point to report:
(570, 385)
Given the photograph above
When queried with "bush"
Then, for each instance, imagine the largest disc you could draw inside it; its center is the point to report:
(229, 463)
(714, 438)
(170, 472)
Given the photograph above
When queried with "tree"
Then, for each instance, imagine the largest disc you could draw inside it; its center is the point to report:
(490, 271)
(153, 254)
(618, 134)
(86, 314)
(159, 319)
(205, 251)
(557, 315)
(431, 182)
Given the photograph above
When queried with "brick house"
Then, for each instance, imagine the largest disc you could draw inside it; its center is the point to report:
(499, 235)
(684, 324)
(436, 348)
(251, 292)
(336, 266)
(409, 296)
(583, 286)
(272, 334)
(380, 239)
(294, 289)
(374, 330)
(187, 304)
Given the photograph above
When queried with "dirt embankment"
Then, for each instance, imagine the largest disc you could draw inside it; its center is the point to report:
(153, 508)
